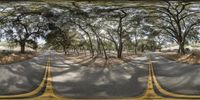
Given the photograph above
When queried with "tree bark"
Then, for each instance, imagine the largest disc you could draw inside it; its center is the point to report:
(104, 50)
(135, 50)
(119, 51)
(22, 46)
(99, 42)
(90, 40)
(64, 49)
(142, 48)
(98, 46)
(181, 49)
(91, 48)
(120, 33)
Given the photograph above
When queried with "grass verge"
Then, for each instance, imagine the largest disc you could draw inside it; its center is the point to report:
(13, 57)
(190, 58)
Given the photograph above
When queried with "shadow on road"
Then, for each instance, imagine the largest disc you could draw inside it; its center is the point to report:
(72, 80)
(22, 77)
(177, 77)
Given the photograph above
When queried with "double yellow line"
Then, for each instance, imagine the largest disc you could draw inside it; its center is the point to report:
(45, 83)
(50, 95)
(167, 93)
(32, 93)
(148, 94)
(48, 92)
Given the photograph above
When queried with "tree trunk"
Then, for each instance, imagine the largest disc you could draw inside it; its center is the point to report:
(160, 49)
(65, 52)
(181, 49)
(99, 52)
(119, 54)
(22, 46)
(135, 50)
(104, 50)
(127, 50)
(64, 49)
(90, 40)
(136, 44)
(119, 51)
(142, 48)
(91, 47)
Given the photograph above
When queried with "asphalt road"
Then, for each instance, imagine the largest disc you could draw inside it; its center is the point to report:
(22, 77)
(75, 81)
(177, 77)
(121, 81)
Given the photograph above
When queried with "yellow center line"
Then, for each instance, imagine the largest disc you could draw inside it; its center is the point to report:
(49, 92)
(50, 95)
(167, 93)
(150, 93)
(32, 93)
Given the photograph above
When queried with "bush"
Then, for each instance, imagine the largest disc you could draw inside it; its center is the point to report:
(187, 50)
(5, 52)
(196, 52)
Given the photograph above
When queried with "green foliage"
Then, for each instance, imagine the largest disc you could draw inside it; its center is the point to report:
(97, 26)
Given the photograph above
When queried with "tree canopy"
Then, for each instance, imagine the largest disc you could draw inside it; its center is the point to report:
(100, 27)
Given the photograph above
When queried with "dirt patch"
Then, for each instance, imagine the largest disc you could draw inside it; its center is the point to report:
(15, 57)
(99, 61)
(191, 58)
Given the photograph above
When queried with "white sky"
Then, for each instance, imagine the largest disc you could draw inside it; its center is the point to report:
(41, 41)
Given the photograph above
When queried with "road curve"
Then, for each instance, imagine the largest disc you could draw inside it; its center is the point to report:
(176, 77)
(22, 77)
